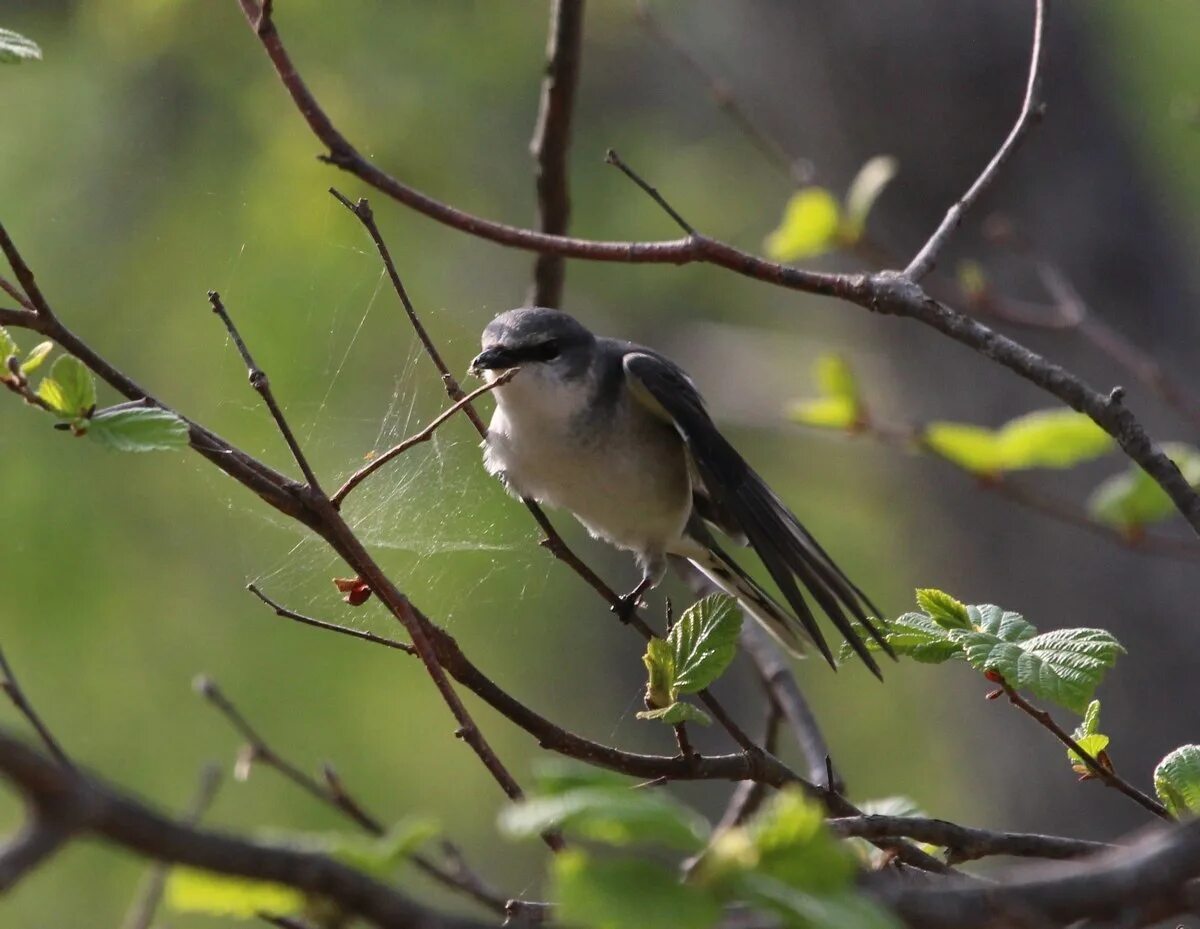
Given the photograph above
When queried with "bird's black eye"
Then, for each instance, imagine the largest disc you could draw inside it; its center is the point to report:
(547, 351)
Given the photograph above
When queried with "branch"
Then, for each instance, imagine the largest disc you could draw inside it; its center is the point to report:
(321, 624)
(552, 139)
(12, 690)
(262, 385)
(332, 792)
(964, 843)
(87, 807)
(1102, 772)
(1155, 872)
(1031, 110)
(141, 914)
(416, 439)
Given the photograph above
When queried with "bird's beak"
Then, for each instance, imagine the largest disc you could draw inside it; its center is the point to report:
(495, 358)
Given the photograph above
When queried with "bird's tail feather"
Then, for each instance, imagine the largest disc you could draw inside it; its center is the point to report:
(727, 575)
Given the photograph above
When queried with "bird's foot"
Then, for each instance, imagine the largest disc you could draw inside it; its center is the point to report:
(627, 605)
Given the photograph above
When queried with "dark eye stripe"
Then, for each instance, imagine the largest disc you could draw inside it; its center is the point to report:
(542, 351)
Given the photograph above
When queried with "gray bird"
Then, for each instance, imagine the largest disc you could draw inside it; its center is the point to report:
(618, 434)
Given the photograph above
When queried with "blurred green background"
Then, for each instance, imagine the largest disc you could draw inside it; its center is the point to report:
(153, 156)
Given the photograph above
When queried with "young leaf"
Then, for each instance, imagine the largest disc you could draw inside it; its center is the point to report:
(810, 226)
(380, 856)
(69, 388)
(34, 359)
(554, 776)
(840, 405)
(798, 910)
(8, 348)
(1003, 624)
(943, 608)
(864, 190)
(192, 891)
(1090, 739)
(627, 893)
(703, 642)
(616, 817)
(1177, 780)
(16, 48)
(139, 429)
(1064, 666)
(914, 635)
(676, 713)
(794, 846)
(660, 668)
(1133, 498)
(1042, 439)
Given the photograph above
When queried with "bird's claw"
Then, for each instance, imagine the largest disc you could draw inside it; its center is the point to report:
(627, 605)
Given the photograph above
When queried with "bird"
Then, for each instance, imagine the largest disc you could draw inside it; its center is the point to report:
(619, 435)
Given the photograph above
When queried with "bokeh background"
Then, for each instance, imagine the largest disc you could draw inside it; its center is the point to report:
(153, 156)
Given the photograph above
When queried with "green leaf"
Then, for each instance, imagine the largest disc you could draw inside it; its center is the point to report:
(676, 713)
(972, 279)
(616, 817)
(794, 846)
(835, 378)
(660, 668)
(15, 48)
(798, 910)
(69, 388)
(703, 642)
(914, 635)
(34, 359)
(560, 775)
(824, 413)
(864, 190)
(1003, 624)
(1177, 780)
(191, 891)
(380, 856)
(8, 348)
(627, 893)
(810, 226)
(1133, 498)
(1089, 737)
(140, 429)
(1064, 666)
(1042, 439)
(943, 608)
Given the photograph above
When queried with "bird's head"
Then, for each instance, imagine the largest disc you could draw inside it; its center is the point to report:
(545, 344)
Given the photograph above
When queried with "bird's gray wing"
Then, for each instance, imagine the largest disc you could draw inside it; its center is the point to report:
(740, 503)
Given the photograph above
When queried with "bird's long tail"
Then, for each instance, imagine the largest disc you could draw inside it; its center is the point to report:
(727, 575)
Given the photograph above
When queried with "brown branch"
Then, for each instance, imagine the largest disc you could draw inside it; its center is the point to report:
(417, 438)
(262, 385)
(784, 692)
(83, 806)
(962, 842)
(612, 158)
(1031, 111)
(748, 795)
(12, 690)
(321, 624)
(331, 791)
(1156, 872)
(551, 141)
(141, 914)
(1102, 772)
(15, 292)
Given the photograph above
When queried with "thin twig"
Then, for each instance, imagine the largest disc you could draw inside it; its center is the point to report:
(262, 384)
(257, 750)
(417, 438)
(795, 169)
(964, 843)
(283, 611)
(12, 690)
(141, 914)
(748, 795)
(551, 142)
(1102, 772)
(612, 158)
(331, 791)
(1031, 110)
(15, 292)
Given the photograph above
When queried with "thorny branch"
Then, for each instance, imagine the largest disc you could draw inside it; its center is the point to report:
(552, 140)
